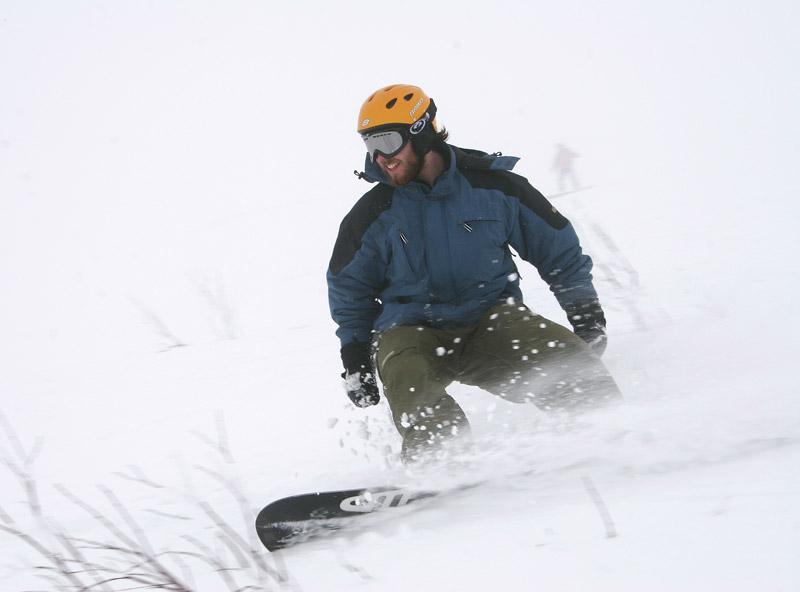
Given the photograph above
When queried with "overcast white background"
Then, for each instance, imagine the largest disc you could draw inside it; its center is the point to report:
(185, 165)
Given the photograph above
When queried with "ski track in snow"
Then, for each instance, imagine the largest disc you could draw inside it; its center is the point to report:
(167, 355)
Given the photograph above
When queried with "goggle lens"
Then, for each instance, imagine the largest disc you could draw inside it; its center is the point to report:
(386, 143)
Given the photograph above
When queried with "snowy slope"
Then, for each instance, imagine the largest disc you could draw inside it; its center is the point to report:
(171, 181)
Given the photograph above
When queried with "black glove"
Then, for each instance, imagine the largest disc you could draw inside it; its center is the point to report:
(589, 323)
(359, 375)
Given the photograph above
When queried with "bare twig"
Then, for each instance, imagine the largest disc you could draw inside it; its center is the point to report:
(138, 476)
(97, 515)
(5, 516)
(88, 567)
(28, 485)
(167, 514)
(207, 555)
(36, 449)
(221, 444)
(137, 530)
(11, 434)
(149, 564)
(159, 326)
(128, 560)
(19, 468)
(602, 509)
(185, 569)
(218, 302)
(57, 560)
(248, 516)
(255, 555)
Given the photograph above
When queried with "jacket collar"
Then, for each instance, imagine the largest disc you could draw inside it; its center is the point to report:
(477, 160)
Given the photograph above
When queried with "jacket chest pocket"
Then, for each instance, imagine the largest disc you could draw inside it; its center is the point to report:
(479, 243)
(407, 254)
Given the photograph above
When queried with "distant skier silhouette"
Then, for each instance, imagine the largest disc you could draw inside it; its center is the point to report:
(564, 166)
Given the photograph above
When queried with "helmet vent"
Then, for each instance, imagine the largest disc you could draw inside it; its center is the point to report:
(408, 97)
(391, 103)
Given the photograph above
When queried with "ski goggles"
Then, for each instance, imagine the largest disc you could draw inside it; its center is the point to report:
(387, 143)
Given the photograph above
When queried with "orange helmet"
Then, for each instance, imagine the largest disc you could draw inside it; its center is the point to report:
(398, 104)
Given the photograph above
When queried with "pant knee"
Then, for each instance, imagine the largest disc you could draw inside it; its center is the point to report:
(407, 354)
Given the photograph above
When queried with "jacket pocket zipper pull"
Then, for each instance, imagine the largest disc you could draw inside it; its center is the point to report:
(466, 226)
(403, 237)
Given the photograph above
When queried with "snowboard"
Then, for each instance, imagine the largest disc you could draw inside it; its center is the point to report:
(309, 516)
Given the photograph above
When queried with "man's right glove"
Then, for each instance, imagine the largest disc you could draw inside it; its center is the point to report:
(359, 375)
(589, 323)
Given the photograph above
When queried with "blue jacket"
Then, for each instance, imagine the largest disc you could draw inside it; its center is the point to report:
(441, 256)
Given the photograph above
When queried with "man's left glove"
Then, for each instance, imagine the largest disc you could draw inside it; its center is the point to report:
(359, 374)
(589, 323)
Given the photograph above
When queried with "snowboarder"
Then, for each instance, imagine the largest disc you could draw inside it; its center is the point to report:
(564, 166)
(424, 289)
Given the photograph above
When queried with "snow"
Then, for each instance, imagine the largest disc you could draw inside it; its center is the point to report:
(172, 176)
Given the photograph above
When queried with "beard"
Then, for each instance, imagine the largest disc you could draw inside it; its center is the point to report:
(408, 168)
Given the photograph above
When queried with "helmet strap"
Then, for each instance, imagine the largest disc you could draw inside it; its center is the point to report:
(422, 133)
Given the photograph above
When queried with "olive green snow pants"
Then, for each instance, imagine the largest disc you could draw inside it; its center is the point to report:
(510, 352)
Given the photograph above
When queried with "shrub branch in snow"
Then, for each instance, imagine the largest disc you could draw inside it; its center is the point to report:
(126, 558)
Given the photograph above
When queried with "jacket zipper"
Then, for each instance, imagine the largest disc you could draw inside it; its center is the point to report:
(447, 250)
(406, 251)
